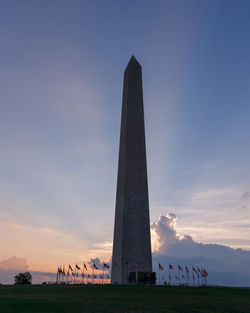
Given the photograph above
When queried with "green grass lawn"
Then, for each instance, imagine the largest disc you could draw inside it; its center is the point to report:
(115, 298)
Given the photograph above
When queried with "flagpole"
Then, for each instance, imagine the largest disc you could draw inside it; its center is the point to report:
(102, 272)
(159, 275)
(82, 274)
(204, 278)
(62, 277)
(59, 275)
(186, 275)
(84, 267)
(193, 274)
(169, 277)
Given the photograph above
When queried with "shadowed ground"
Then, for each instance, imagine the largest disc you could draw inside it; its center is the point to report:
(112, 298)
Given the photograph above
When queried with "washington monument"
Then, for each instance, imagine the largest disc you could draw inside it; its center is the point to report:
(131, 244)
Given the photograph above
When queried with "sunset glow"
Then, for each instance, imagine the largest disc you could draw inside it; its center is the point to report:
(61, 91)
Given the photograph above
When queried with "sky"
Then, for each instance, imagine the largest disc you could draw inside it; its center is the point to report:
(61, 77)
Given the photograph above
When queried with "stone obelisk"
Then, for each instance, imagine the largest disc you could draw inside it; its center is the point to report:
(131, 244)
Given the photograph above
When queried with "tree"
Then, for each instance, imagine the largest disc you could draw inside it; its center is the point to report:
(23, 278)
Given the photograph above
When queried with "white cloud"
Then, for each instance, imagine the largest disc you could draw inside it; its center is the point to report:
(212, 215)
(226, 266)
(14, 263)
(10, 267)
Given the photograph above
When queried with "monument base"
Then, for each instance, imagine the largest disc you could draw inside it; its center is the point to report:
(142, 278)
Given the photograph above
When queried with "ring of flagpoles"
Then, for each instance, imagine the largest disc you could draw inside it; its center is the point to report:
(80, 274)
(188, 275)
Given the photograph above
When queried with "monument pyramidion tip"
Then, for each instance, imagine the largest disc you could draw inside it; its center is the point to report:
(133, 62)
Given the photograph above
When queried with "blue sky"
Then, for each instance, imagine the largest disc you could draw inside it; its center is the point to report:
(61, 77)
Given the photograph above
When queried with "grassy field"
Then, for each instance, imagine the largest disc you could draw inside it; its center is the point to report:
(114, 298)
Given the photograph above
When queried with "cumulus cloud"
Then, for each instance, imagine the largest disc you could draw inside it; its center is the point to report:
(96, 261)
(10, 267)
(14, 263)
(99, 263)
(165, 233)
(226, 266)
(212, 214)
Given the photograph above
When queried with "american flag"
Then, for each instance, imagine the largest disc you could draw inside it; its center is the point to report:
(77, 267)
(161, 268)
(105, 265)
